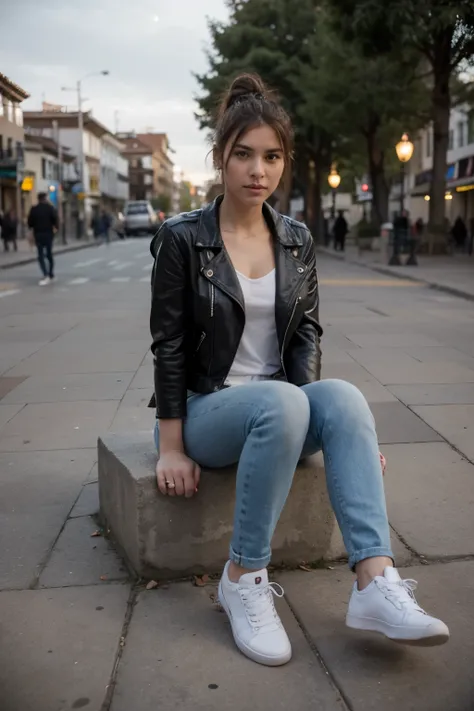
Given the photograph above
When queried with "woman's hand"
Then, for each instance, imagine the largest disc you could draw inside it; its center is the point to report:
(177, 474)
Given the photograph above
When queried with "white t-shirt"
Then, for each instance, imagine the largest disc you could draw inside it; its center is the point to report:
(258, 354)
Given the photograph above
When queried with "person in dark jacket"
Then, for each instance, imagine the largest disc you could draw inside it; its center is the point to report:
(459, 232)
(340, 231)
(43, 221)
(9, 227)
(236, 344)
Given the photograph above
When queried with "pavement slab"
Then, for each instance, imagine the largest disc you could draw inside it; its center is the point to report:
(454, 422)
(42, 426)
(133, 414)
(8, 412)
(396, 423)
(58, 646)
(180, 654)
(67, 388)
(87, 503)
(37, 492)
(80, 559)
(434, 394)
(103, 360)
(430, 498)
(374, 673)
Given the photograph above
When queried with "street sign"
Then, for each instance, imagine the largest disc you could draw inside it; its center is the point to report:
(28, 184)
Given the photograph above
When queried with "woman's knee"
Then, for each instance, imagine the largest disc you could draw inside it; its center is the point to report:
(285, 405)
(342, 402)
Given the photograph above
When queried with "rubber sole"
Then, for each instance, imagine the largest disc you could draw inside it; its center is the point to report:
(379, 627)
(247, 651)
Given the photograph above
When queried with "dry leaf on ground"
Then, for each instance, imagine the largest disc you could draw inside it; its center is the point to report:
(95, 534)
(152, 584)
(103, 577)
(201, 581)
(306, 568)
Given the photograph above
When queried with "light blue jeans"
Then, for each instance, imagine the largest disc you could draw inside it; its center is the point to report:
(267, 427)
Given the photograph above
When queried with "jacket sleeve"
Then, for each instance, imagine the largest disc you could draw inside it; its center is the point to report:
(168, 326)
(31, 219)
(303, 355)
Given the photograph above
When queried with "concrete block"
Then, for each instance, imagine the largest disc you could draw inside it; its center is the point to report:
(165, 537)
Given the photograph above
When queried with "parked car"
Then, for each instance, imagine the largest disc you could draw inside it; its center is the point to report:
(139, 218)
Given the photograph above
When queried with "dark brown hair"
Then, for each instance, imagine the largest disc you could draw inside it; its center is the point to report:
(249, 103)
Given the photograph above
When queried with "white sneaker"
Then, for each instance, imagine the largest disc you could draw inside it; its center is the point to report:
(45, 281)
(388, 606)
(256, 626)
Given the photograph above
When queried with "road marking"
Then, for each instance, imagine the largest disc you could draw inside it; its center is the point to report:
(78, 280)
(370, 282)
(121, 280)
(88, 263)
(145, 279)
(9, 292)
(122, 265)
(111, 264)
(142, 255)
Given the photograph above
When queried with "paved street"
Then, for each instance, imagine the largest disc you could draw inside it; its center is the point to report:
(78, 633)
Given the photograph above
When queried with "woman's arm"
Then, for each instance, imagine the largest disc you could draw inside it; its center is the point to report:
(303, 355)
(168, 326)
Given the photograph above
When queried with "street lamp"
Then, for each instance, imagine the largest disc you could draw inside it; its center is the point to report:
(80, 125)
(334, 180)
(404, 149)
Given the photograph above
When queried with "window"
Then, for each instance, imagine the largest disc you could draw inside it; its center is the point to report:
(461, 133)
(429, 143)
(43, 168)
(10, 147)
(451, 140)
(470, 127)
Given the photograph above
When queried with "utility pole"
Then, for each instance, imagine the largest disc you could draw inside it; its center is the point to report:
(80, 125)
(62, 225)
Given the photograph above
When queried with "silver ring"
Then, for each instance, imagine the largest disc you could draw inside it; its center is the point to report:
(170, 484)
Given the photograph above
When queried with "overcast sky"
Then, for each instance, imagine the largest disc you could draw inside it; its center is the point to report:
(150, 48)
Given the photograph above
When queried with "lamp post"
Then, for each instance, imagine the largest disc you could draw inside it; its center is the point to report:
(80, 126)
(334, 180)
(404, 149)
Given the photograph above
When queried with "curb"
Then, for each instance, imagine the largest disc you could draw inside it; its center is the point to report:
(388, 272)
(33, 259)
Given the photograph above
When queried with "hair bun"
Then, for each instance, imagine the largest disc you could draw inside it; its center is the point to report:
(242, 86)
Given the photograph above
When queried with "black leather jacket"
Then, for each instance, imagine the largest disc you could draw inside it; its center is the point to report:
(198, 314)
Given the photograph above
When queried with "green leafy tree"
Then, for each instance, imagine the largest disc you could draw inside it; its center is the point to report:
(442, 33)
(272, 38)
(365, 102)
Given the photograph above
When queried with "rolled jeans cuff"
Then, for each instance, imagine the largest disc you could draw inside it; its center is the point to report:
(357, 556)
(250, 563)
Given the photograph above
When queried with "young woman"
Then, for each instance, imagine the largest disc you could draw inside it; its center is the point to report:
(234, 322)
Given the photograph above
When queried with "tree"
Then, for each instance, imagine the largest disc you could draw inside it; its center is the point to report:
(442, 32)
(272, 38)
(366, 102)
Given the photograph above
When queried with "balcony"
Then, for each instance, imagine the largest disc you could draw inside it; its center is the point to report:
(11, 155)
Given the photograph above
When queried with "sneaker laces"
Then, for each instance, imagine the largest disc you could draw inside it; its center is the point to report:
(401, 593)
(259, 606)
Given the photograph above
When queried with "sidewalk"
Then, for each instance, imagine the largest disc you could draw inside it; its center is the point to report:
(76, 632)
(452, 274)
(26, 253)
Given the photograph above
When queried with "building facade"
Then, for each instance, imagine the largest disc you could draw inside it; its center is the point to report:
(163, 166)
(140, 166)
(114, 186)
(11, 144)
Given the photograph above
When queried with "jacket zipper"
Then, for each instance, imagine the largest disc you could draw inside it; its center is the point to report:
(203, 336)
(212, 300)
(286, 333)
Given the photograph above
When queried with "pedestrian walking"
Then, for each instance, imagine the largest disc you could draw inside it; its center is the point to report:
(43, 221)
(9, 228)
(459, 233)
(236, 345)
(340, 231)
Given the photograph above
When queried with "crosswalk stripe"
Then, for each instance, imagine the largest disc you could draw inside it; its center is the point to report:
(120, 280)
(78, 280)
(87, 263)
(122, 265)
(111, 264)
(9, 292)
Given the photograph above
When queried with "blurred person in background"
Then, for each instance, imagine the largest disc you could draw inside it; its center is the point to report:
(43, 221)
(9, 227)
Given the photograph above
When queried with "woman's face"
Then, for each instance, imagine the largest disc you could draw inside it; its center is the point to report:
(252, 169)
